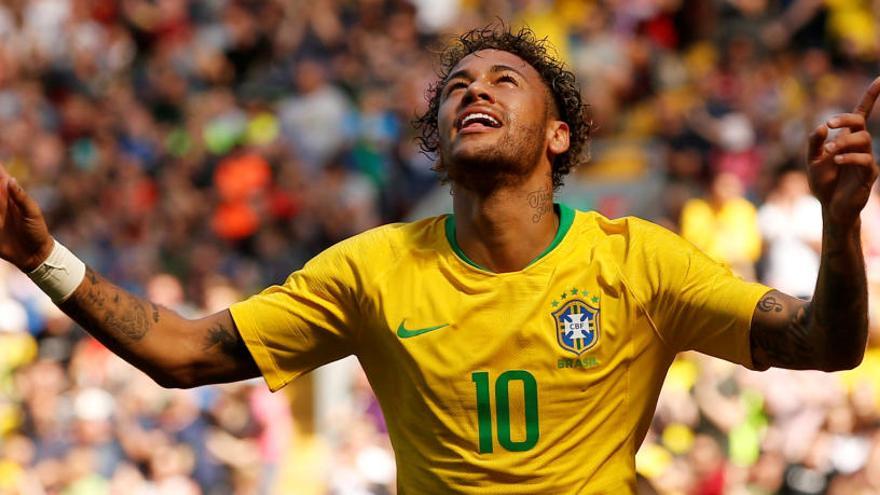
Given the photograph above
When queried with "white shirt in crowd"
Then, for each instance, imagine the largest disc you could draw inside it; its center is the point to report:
(791, 233)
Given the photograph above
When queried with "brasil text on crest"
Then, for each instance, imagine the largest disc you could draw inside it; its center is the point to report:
(577, 326)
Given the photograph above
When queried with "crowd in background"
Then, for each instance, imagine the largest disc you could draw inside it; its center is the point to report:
(195, 152)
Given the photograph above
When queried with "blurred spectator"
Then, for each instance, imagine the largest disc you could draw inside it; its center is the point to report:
(871, 247)
(791, 226)
(724, 225)
(313, 118)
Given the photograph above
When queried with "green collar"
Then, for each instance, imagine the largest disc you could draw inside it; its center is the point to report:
(566, 218)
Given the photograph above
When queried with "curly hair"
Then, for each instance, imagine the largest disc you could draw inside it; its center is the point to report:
(560, 82)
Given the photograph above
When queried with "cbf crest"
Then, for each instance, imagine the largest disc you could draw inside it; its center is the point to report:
(577, 325)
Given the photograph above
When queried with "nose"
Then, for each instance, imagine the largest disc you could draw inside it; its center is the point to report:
(477, 90)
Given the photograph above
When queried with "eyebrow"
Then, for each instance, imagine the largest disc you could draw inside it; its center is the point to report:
(494, 69)
(504, 68)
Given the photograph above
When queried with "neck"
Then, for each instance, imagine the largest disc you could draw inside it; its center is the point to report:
(505, 229)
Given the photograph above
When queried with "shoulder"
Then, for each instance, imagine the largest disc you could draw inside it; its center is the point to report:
(639, 247)
(769, 208)
(809, 205)
(383, 246)
(633, 231)
(695, 206)
(741, 206)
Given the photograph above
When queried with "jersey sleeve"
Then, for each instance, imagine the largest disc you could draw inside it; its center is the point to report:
(310, 320)
(698, 303)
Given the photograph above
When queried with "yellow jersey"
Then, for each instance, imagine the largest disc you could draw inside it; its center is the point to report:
(541, 381)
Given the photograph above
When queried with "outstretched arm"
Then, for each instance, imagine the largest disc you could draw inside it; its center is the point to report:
(830, 332)
(174, 351)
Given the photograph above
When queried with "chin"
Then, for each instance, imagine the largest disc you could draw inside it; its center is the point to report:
(487, 169)
(487, 161)
(474, 153)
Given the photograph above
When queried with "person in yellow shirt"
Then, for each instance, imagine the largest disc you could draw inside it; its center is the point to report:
(724, 225)
(517, 345)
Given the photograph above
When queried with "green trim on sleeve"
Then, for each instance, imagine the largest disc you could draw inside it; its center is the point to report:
(566, 219)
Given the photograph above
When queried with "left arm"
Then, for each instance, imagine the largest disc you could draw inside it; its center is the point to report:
(830, 332)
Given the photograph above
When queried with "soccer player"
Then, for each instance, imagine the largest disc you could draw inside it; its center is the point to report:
(516, 346)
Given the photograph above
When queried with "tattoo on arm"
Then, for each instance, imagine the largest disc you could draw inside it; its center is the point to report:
(109, 311)
(132, 320)
(780, 334)
(179, 352)
(542, 202)
(768, 304)
(226, 340)
(830, 332)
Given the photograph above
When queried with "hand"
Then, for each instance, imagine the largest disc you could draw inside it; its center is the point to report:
(842, 171)
(24, 238)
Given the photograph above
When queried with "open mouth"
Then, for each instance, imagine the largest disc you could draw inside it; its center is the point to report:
(477, 121)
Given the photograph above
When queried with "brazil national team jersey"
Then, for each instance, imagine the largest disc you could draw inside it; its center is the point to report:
(541, 381)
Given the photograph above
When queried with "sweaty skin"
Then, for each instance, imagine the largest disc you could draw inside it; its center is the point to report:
(502, 186)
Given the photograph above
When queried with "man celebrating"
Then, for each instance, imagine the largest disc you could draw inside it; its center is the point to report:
(516, 345)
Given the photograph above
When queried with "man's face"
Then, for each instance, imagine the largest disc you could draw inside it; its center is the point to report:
(494, 119)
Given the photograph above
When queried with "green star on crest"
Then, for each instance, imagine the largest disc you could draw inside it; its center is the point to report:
(574, 292)
(585, 293)
(564, 295)
(595, 299)
(554, 303)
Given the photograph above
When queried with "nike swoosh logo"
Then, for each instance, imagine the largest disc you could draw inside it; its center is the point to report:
(406, 333)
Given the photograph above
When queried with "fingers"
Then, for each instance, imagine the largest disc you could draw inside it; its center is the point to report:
(817, 138)
(6, 184)
(4, 196)
(867, 104)
(852, 121)
(25, 203)
(856, 159)
(12, 195)
(848, 143)
(850, 150)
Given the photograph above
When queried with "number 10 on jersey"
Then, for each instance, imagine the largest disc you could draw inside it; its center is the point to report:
(502, 410)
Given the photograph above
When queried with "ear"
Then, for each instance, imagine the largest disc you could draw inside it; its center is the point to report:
(557, 137)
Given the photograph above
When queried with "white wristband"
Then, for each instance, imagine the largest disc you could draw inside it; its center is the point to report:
(60, 274)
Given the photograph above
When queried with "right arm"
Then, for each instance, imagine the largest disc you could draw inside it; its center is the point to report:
(174, 351)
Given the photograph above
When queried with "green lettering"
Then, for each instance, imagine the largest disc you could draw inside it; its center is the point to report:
(587, 362)
(502, 410)
(484, 412)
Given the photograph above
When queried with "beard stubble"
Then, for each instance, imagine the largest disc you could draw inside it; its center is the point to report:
(508, 162)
